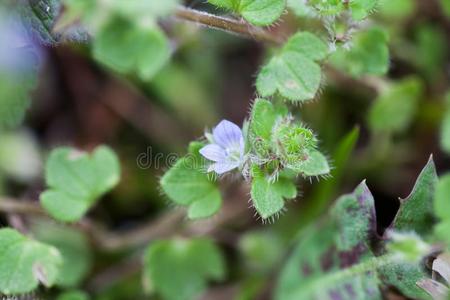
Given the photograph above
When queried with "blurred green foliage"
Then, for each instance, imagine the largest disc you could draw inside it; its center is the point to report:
(372, 80)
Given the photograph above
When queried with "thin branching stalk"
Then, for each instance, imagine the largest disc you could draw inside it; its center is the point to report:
(233, 26)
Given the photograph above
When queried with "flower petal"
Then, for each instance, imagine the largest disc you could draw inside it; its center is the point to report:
(223, 167)
(227, 133)
(213, 152)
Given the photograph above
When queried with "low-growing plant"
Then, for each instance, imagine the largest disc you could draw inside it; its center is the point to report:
(76, 236)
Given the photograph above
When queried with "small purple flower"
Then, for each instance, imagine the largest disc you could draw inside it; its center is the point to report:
(226, 149)
(18, 52)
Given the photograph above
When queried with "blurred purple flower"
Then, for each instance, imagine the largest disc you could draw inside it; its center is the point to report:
(226, 149)
(18, 52)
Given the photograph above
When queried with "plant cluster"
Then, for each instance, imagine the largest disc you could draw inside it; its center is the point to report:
(346, 254)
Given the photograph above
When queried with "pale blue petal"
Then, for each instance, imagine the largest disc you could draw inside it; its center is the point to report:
(213, 152)
(241, 146)
(227, 134)
(223, 167)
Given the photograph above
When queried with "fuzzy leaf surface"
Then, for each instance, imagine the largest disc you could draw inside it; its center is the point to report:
(332, 259)
(294, 72)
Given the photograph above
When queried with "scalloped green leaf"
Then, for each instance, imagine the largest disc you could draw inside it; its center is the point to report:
(74, 248)
(294, 72)
(268, 197)
(130, 48)
(76, 180)
(262, 12)
(395, 108)
(180, 269)
(333, 259)
(187, 184)
(256, 12)
(369, 54)
(25, 263)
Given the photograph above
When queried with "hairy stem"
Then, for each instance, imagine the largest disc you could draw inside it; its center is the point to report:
(238, 27)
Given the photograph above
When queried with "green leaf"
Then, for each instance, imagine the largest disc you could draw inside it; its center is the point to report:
(416, 210)
(74, 248)
(14, 101)
(396, 10)
(315, 165)
(404, 277)
(263, 117)
(415, 215)
(327, 7)
(180, 269)
(268, 197)
(441, 199)
(73, 295)
(256, 12)
(446, 6)
(227, 4)
(18, 79)
(126, 47)
(395, 108)
(76, 180)
(332, 259)
(441, 209)
(407, 269)
(24, 263)
(369, 54)
(294, 72)
(95, 15)
(186, 183)
(261, 12)
(432, 49)
(362, 8)
(441, 231)
(38, 17)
